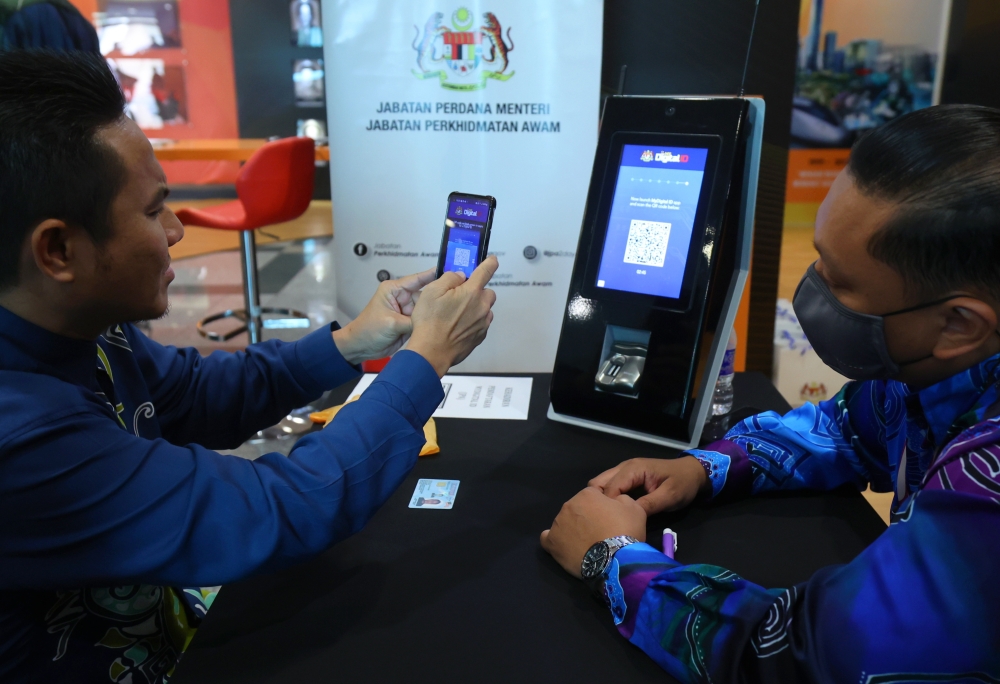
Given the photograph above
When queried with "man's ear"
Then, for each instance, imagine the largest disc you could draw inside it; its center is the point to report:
(969, 322)
(54, 249)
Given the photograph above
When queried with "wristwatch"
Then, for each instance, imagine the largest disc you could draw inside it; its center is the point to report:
(598, 557)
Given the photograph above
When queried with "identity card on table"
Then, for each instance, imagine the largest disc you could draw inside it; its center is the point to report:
(476, 396)
(434, 494)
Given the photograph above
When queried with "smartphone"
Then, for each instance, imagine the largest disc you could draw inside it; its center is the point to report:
(466, 235)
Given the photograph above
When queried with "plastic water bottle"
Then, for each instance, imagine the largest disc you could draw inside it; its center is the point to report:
(722, 398)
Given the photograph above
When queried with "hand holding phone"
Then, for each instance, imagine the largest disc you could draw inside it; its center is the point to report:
(466, 237)
(452, 316)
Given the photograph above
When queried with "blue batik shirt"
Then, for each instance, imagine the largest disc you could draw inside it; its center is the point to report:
(116, 511)
(921, 604)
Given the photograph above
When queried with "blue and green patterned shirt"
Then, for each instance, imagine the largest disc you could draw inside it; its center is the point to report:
(921, 604)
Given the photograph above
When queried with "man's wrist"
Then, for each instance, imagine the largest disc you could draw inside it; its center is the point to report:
(705, 468)
(347, 345)
(438, 360)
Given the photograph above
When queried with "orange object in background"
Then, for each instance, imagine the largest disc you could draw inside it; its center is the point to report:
(811, 173)
(742, 325)
(204, 63)
(430, 447)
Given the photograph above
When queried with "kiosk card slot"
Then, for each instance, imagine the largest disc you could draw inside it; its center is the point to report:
(623, 359)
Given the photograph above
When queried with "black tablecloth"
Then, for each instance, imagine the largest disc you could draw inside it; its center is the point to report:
(468, 595)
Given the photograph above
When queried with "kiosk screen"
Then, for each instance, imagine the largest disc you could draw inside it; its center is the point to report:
(652, 219)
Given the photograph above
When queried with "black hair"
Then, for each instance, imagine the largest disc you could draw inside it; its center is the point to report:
(52, 166)
(941, 165)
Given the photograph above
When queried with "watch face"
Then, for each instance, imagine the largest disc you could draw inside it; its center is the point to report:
(595, 560)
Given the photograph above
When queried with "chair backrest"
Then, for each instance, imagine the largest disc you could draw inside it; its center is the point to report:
(276, 183)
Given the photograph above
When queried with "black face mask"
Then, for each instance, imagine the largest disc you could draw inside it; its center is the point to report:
(849, 342)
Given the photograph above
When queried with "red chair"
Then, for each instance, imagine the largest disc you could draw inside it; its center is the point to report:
(275, 185)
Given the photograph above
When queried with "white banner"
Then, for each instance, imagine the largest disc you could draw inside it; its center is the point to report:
(495, 98)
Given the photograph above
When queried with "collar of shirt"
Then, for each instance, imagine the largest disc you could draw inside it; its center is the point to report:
(960, 401)
(28, 348)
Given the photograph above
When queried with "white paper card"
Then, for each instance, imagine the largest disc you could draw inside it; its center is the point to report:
(476, 396)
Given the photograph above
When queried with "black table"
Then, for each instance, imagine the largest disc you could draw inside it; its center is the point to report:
(468, 595)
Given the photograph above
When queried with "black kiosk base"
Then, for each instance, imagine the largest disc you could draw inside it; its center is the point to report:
(661, 265)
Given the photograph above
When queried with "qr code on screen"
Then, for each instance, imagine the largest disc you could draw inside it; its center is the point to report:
(462, 256)
(647, 243)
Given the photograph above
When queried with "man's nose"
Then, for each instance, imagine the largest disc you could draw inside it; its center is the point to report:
(173, 228)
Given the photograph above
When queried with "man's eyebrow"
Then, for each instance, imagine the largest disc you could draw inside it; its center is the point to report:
(162, 193)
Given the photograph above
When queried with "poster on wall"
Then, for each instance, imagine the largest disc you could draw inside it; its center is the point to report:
(307, 77)
(861, 63)
(133, 26)
(307, 23)
(154, 91)
(493, 98)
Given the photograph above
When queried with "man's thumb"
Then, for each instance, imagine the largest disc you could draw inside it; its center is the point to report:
(401, 324)
(658, 500)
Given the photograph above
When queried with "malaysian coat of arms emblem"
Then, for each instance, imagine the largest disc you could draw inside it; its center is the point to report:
(462, 57)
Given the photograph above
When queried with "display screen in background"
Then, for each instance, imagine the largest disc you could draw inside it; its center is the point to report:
(466, 226)
(652, 218)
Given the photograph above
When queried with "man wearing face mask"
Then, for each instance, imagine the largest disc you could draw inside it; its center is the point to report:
(904, 299)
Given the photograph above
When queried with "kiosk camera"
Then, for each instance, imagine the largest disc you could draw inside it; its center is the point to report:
(660, 268)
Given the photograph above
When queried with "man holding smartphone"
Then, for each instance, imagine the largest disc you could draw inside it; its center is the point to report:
(113, 503)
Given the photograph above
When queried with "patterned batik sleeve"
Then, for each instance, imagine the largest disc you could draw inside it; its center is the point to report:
(918, 605)
(816, 446)
(690, 619)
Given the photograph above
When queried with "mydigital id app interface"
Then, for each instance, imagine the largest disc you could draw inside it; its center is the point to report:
(652, 218)
(466, 229)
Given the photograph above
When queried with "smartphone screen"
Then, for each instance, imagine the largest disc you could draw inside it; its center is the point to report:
(466, 232)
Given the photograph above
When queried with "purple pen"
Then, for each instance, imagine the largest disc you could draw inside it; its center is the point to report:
(669, 543)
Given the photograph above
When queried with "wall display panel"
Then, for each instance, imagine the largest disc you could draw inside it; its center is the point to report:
(180, 78)
(863, 63)
(307, 23)
(266, 47)
(133, 26)
(859, 65)
(311, 128)
(307, 78)
(154, 91)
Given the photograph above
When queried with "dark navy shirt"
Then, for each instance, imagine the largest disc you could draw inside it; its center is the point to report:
(112, 502)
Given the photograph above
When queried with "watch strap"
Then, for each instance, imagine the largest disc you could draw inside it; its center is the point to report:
(619, 542)
(613, 545)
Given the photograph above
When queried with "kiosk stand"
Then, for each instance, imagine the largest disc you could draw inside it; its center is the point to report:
(661, 265)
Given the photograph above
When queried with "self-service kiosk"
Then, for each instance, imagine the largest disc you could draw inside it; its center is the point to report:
(661, 265)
